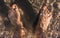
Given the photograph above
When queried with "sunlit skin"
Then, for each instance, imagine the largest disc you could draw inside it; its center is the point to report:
(19, 22)
(43, 22)
(1, 20)
(46, 18)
